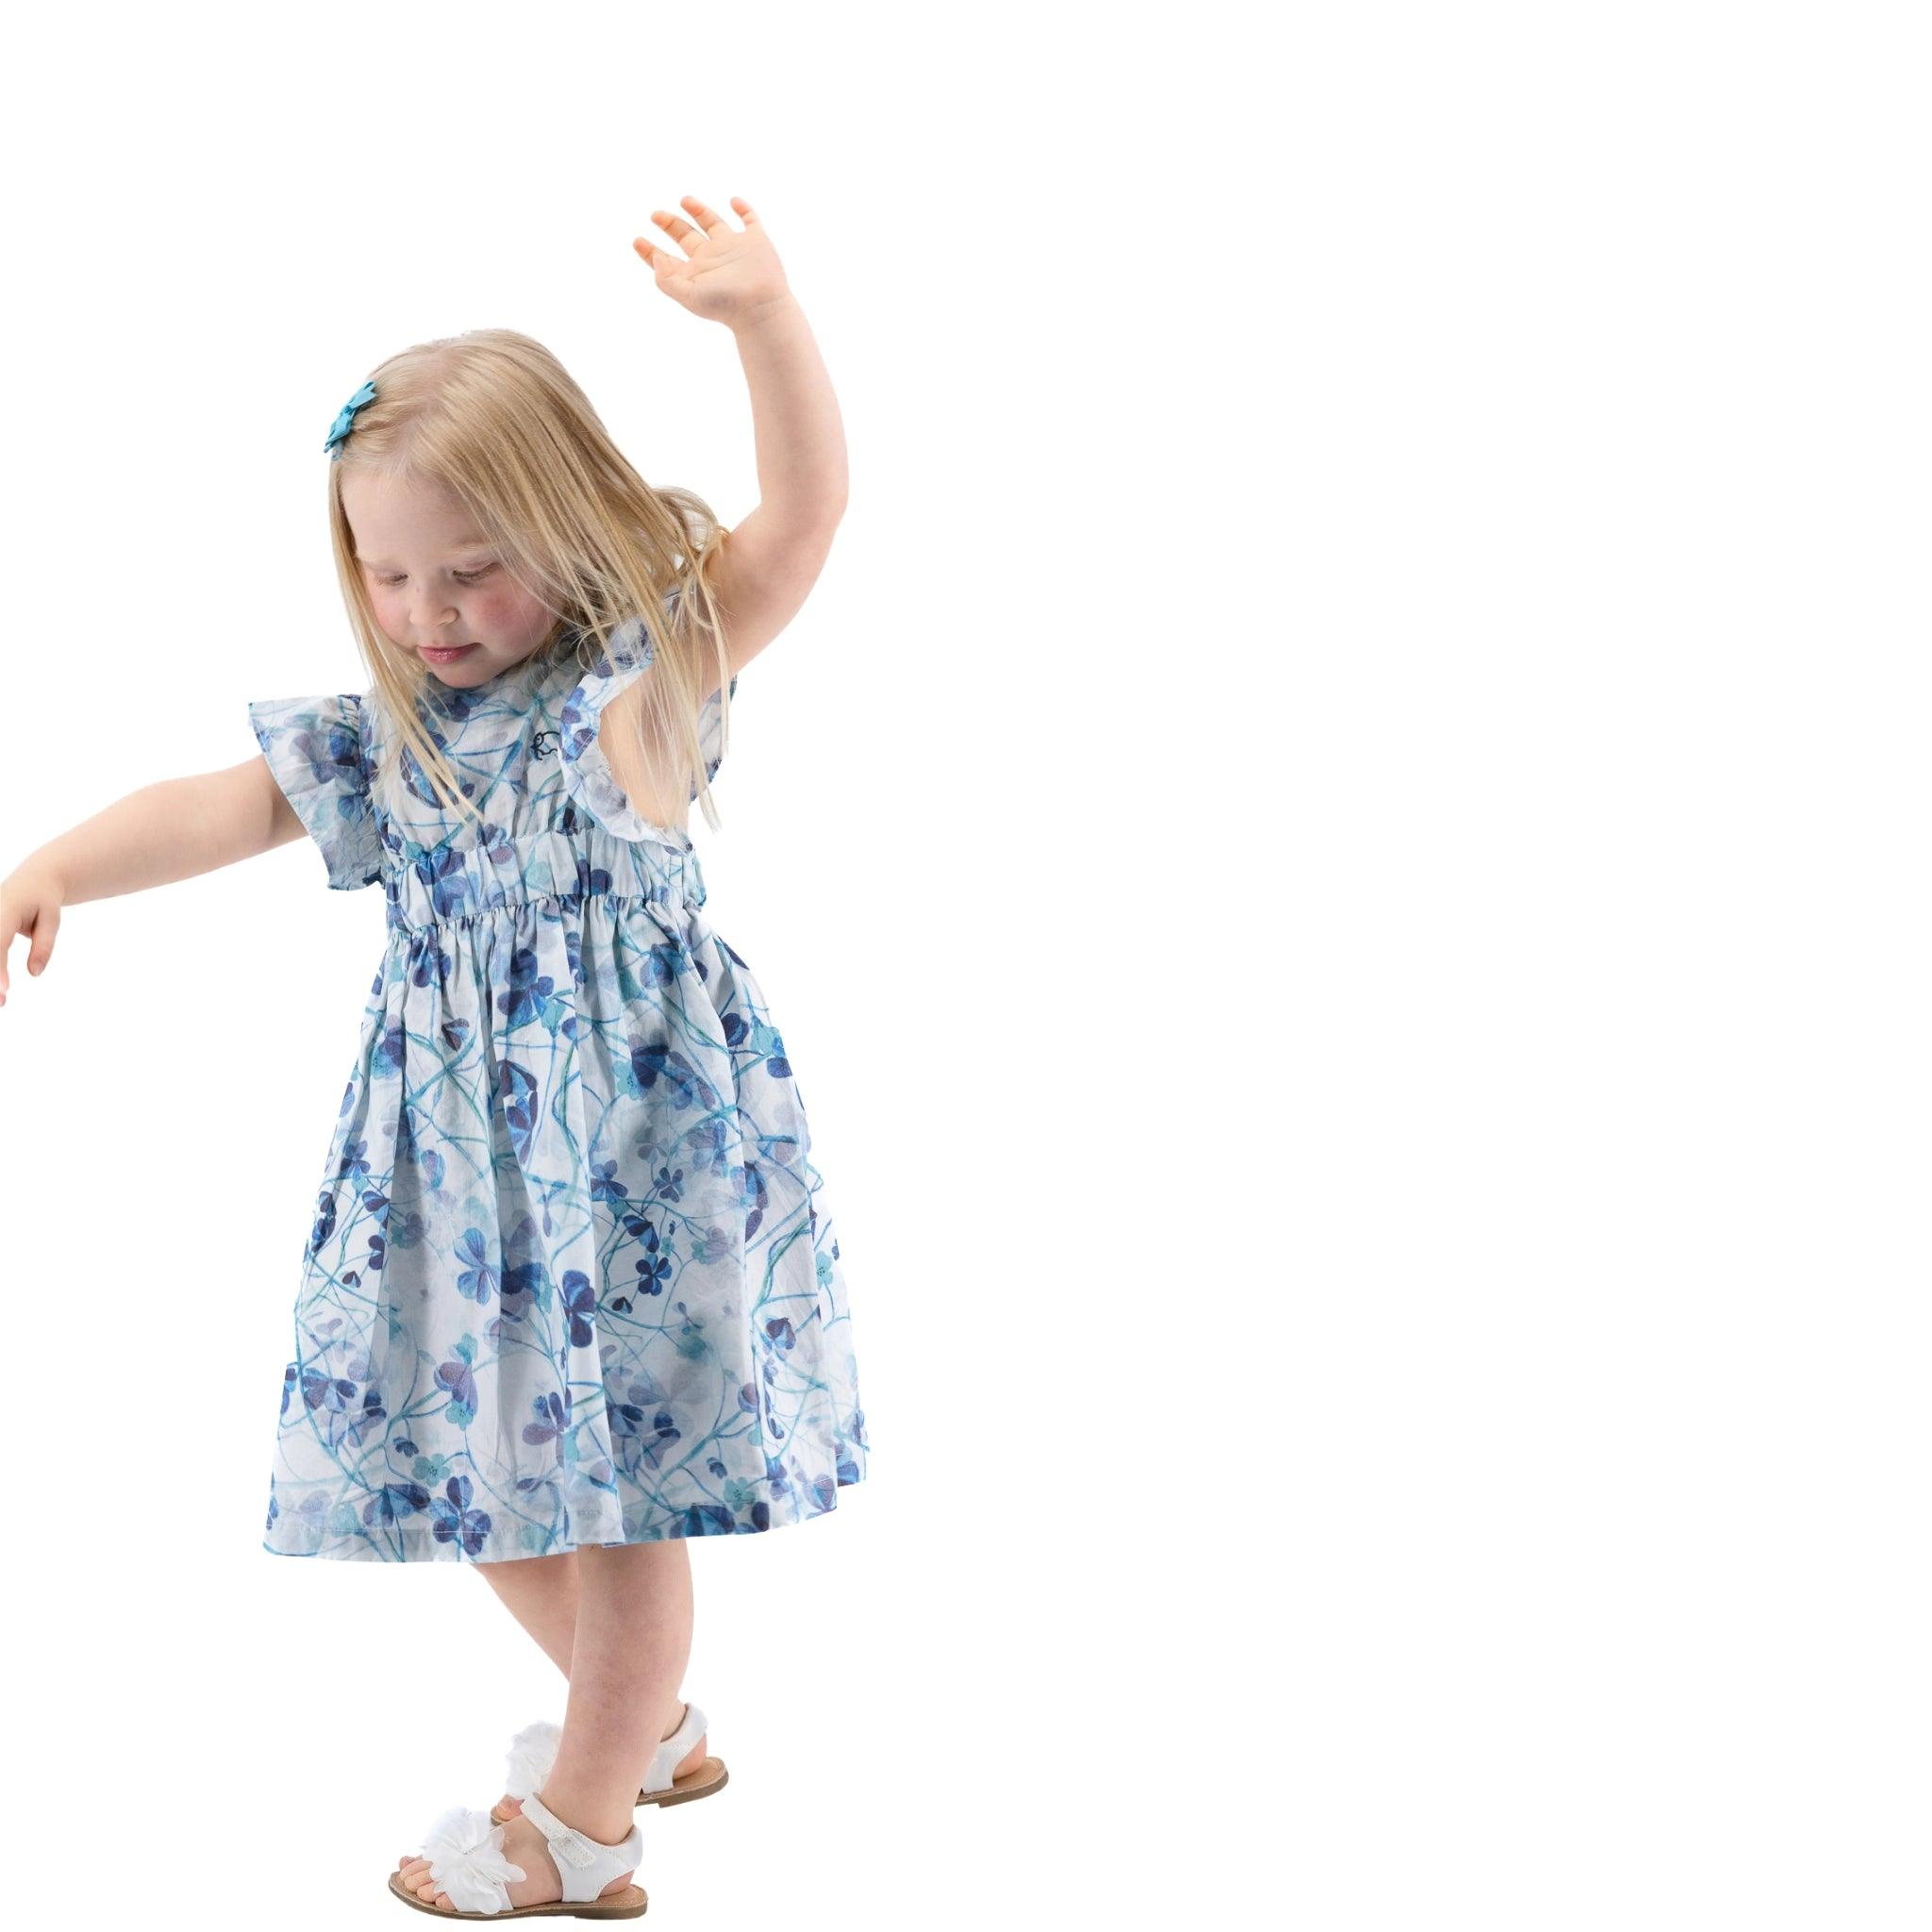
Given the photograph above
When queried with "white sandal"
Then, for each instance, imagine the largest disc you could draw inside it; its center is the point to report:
(466, 1861)
(533, 1751)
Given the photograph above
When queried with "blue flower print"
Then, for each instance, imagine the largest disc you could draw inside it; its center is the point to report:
(325, 1394)
(324, 1223)
(457, 1377)
(654, 1268)
(516, 1094)
(652, 1060)
(528, 992)
(393, 1502)
(578, 1301)
(455, 1522)
(475, 1277)
(450, 881)
(666, 962)
(752, 1191)
(553, 1419)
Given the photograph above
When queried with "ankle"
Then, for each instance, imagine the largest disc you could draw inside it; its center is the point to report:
(608, 1822)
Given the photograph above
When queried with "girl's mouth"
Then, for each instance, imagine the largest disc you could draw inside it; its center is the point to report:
(445, 654)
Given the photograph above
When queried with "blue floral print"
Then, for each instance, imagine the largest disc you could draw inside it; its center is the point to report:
(572, 1277)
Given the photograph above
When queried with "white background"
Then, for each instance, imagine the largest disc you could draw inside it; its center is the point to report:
(1341, 851)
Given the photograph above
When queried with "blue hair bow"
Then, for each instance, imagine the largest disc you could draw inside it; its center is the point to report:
(345, 420)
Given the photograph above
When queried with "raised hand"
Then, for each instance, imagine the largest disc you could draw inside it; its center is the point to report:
(724, 274)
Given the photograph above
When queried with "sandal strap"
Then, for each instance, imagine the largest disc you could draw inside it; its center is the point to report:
(675, 1749)
(586, 1865)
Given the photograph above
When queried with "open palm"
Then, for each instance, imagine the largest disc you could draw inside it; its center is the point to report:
(724, 273)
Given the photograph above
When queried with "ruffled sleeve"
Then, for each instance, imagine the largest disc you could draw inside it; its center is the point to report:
(316, 750)
(587, 772)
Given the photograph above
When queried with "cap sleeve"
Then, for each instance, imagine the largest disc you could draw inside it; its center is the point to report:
(587, 772)
(317, 751)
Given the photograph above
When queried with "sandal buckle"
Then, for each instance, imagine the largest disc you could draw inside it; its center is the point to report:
(570, 1846)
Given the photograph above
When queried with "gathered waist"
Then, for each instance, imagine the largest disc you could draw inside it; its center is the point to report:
(459, 881)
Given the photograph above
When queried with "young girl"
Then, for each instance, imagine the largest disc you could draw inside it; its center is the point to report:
(572, 1295)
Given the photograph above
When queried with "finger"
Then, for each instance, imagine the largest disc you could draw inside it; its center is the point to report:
(746, 213)
(709, 219)
(672, 225)
(44, 928)
(671, 271)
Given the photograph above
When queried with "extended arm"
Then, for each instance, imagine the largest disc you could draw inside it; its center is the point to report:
(170, 830)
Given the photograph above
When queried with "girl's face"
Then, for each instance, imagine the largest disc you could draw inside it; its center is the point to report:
(441, 592)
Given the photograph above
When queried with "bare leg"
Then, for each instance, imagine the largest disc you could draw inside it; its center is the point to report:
(630, 1645)
(540, 1592)
(633, 1640)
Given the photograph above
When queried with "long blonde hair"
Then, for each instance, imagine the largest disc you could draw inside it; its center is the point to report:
(494, 417)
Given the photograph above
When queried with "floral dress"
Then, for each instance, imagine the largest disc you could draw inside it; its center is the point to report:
(572, 1277)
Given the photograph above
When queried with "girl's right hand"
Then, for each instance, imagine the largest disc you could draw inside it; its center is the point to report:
(30, 910)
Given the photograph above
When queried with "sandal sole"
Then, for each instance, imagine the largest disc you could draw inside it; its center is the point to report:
(710, 1776)
(628, 1904)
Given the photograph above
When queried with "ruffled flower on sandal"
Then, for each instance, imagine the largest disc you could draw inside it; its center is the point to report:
(467, 1862)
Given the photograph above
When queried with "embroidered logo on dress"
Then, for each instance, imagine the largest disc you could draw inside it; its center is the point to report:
(542, 744)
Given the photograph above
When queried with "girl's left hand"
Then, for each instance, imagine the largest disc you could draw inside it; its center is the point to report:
(725, 274)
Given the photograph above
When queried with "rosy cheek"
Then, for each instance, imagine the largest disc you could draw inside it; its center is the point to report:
(508, 611)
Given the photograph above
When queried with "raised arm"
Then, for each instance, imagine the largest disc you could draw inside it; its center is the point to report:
(171, 829)
(773, 556)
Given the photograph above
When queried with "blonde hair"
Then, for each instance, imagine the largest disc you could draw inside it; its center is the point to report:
(493, 418)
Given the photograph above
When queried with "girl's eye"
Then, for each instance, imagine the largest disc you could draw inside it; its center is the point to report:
(462, 576)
